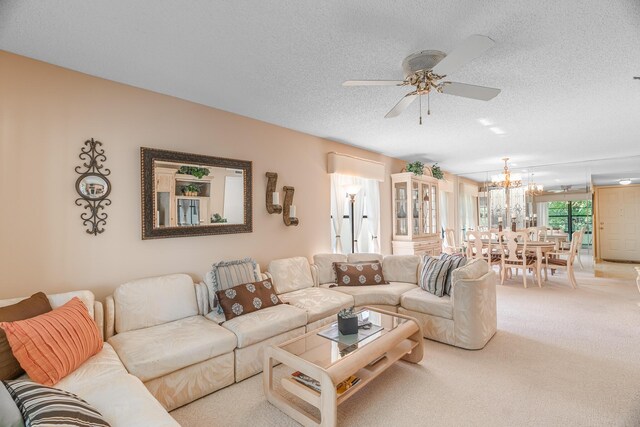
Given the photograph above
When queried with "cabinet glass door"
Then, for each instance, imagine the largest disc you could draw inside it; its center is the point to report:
(434, 209)
(401, 222)
(426, 209)
(415, 207)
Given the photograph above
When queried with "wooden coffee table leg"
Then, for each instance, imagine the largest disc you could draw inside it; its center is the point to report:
(328, 402)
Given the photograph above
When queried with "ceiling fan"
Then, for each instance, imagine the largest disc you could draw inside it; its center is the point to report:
(426, 70)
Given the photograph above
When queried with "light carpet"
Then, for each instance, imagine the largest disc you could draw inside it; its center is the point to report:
(561, 357)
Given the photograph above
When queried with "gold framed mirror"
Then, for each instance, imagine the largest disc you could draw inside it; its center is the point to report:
(187, 194)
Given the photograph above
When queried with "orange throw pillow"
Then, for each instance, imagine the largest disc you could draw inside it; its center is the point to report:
(52, 345)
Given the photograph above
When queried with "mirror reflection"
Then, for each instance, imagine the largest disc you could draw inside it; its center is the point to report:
(93, 187)
(189, 195)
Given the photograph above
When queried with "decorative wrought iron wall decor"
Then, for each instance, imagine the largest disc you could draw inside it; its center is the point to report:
(93, 186)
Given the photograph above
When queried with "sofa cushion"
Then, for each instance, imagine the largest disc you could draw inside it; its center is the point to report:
(364, 257)
(374, 295)
(158, 350)
(324, 263)
(401, 268)
(422, 301)
(23, 309)
(263, 324)
(101, 365)
(54, 344)
(247, 298)
(433, 275)
(359, 274)
(290, 274)
(62, 408)
(318, 302)
(153, 301)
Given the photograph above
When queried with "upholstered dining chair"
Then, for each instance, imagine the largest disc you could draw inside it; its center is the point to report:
(554, 260)
(518, 258)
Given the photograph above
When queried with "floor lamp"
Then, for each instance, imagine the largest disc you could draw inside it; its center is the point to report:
(352, 190)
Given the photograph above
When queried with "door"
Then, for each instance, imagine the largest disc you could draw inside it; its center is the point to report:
(234, 199)
(619, 223)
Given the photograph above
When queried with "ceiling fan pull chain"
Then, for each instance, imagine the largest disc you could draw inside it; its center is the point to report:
(420, 96)
(429, 103)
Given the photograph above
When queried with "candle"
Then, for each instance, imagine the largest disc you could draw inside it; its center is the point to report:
(499, 219)
(292, 211)
(275, 198)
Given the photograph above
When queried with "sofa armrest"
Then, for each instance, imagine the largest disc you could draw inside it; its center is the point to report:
(98, 317)
(202, 298)
(314, 275)
(109, 317)
(474, 310)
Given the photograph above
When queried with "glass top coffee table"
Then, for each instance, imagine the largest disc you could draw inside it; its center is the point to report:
(325, 372)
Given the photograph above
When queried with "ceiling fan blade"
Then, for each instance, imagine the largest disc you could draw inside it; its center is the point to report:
(469, 50)
(401, 105)
(482, 93)
(374, 83)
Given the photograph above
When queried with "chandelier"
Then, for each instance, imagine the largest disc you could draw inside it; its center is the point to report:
(505, 179)
(534, 189)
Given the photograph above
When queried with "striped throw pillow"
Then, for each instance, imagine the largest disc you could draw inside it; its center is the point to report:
(60, 407)
(456, 262)
(433, 275)
(227, 274)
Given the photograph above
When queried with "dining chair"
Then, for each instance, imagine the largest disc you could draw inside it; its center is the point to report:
(537, 234)
(450, 237)
(514, 257)
(479, 245)
(554, 260)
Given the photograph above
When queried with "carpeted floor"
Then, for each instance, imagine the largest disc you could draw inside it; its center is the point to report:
(561, 357)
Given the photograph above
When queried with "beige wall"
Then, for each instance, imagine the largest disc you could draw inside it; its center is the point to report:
(47, 112)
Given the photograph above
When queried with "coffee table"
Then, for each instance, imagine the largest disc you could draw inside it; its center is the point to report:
(330, 363)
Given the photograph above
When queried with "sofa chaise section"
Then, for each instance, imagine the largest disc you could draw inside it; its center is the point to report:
(467, 318)
(161, 339)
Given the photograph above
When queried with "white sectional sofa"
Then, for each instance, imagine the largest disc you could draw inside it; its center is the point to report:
(157, 330)
(467, 319)
(104, 382)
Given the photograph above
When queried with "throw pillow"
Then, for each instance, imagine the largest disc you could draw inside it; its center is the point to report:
(227, 274)
(457, 260)
(52, 345)
(247, 298)
(61, 408)
(10, 415)
(359, 273)
(433, 275)
(34, 305)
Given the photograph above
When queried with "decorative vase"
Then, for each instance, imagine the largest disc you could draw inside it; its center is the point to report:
(348, 326)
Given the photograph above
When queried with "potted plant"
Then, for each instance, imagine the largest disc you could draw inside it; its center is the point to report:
(416, 167)
(194, 171)
(436, 172)
(217, 218)
(347, 321)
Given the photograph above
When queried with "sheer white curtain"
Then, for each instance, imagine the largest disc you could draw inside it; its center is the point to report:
(358, 212)
(337, 208)
(372, 196)
(542, 209)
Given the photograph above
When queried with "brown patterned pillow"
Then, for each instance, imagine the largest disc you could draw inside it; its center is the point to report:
(247, 298)
(359, 273)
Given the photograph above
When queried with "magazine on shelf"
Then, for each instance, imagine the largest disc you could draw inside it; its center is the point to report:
(315, 384)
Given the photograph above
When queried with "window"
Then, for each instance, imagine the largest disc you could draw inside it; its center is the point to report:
(366, 221)
(572, 216)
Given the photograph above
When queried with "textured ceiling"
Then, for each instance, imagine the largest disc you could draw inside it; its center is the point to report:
(565, 68)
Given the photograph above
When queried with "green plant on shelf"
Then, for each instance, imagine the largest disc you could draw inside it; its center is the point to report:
(436, 172)
(190, 190)
(416, 167)
(217, 218)
(194, 171)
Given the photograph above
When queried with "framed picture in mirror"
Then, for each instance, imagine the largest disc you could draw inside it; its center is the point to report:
(187, 194)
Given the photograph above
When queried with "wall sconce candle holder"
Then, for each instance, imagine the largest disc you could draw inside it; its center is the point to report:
(272, 196)
(93, 187)
(288, 210)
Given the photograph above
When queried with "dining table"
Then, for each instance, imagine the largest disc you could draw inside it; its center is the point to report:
(540, 248)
